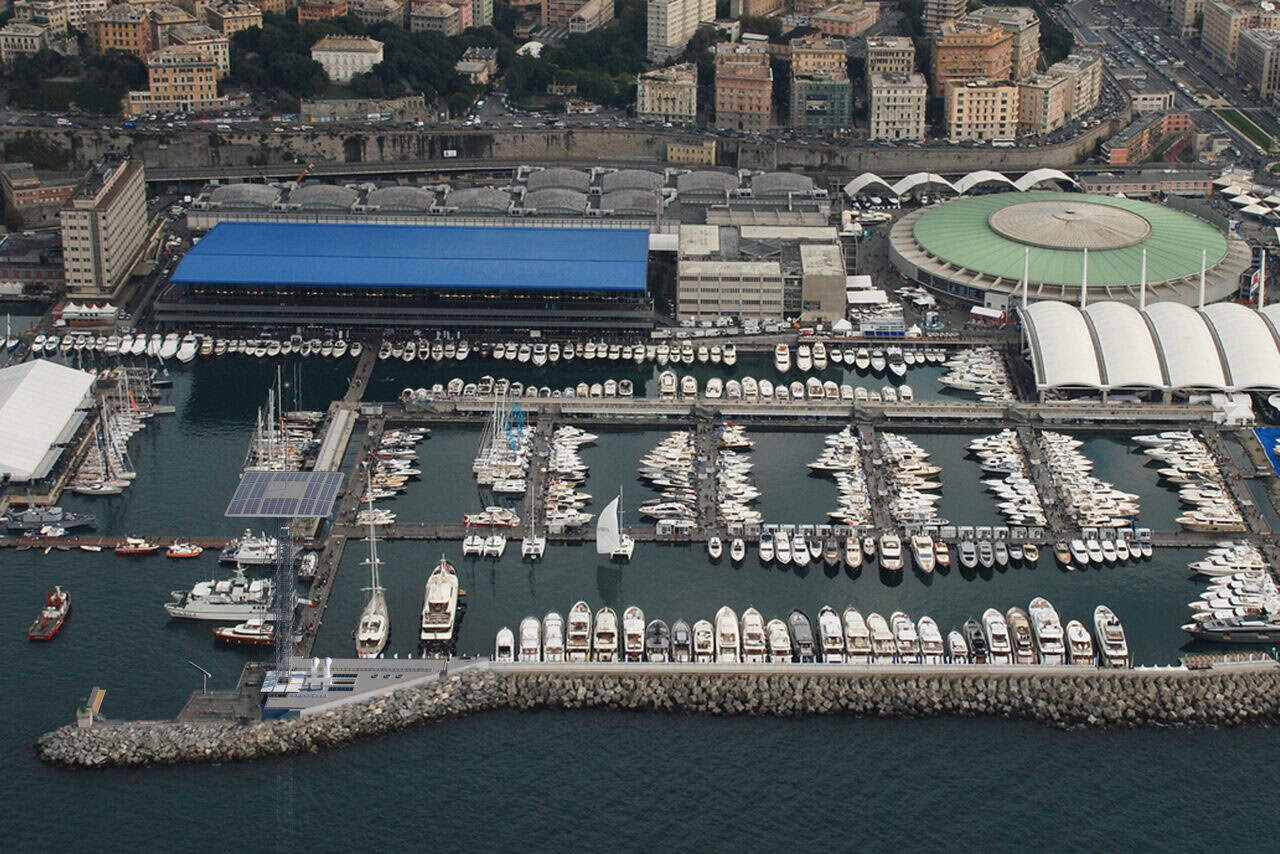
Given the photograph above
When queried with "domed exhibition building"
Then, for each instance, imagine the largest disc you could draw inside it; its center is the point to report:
(979, 248)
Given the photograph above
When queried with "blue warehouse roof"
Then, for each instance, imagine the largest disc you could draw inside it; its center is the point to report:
(412, 256)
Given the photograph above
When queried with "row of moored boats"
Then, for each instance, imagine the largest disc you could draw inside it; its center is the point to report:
(1241, 603)
(892, 360)
(1035, 635)
(1186, 462)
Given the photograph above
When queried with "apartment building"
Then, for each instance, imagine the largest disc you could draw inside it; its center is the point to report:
(345, 57)
(890, 55)
(668, 94)
(847, 20)
(744, 87)
(971, 50)
(1224, 20)
(671, 23)
(897, 105)
(1023, 24)
(937, 12)
(181, 78)
(1042, 100)
(981, 110)
(123, 28)
(1258, 59)
(104, 228)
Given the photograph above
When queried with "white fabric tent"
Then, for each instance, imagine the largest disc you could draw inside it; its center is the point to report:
(41, 406)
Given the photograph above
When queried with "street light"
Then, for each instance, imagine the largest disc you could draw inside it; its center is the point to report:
(204, 681)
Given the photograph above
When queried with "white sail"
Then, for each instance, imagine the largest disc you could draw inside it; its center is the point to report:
(607, 539)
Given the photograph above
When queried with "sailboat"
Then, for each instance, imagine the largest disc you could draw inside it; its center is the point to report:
(10, 342)
(375, 625)
(533, 546)
(609, 537)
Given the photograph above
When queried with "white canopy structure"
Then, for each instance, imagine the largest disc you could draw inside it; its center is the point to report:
(1168, 346)
(983, 176)
(42, 404)
(918, 180)
(869, 183)
(1036, 177)
(864, 181)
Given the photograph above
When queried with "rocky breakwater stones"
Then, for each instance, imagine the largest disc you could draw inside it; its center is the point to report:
(1062, 698)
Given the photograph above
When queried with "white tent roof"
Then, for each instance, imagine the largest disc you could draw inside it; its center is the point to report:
(1273, 199)
(982, 176)
(1062, 351)
(1186, 346)
(1126, 350)
(1233, 190)
(1256, 210)
(868, 297)
(1245, 199)
(866, 179)
(1038, 176)
(921, 179)
(39, 409)
(1249, 348)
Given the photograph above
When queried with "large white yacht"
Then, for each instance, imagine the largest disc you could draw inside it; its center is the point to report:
(830, 635)
(908, 639)
(891, 552)
(375, 624)
(923, 552)
(996, 633)
(884, 649)
(779, 642)
(530, 648)
(782, 358)
(440, 604)
(754, 641)
(578, 642)
(553, 637)
(1024, 650)
(857, 638)
(633, 633)
(1079, 645)
(1112, 645)
(728, 643)
(1046, 631)
(931, 648)
(704, 642)
(604, 640)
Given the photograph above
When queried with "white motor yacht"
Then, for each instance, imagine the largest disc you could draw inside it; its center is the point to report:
(530, 648)
(923, 553)
(578, 639)
(996, 633)
(1112, 644)
(931, 648)
(754, 640)
(782, 358)
(633, 627)
(891, 552)
(604, 639)
(440, 605)
(728, 643)
(553, 645)
(704, 642)
(1046, 631)
(779, 642)
(830, 635)
(857, 637)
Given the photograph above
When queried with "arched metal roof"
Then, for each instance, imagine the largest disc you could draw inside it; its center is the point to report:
(245, 195)
(401, 198)
(1039, 176)
(706, 181)
(631, 179)
(1186, 346)
(865, 180)
(630, 202)
(780, 184)
(1062, 350)
(1248, 346)
(921, 179)
(324, 196)
(1126, 351)
(983, 176)
(559, 178)
(556, 201)
(479, 199)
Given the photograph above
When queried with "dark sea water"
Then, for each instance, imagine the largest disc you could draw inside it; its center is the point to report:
(593, 780)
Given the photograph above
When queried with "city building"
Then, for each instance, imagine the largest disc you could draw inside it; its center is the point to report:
(981, 110)
(847, 20)
(970, 50)
(821, 100)
(104, 227)
(937, 12)
(668, 94)
(1084, 70)
(1023, 24)
(181, 79)
(1147, 96)
(123, 28)
(816, 52)
(382, 276)
(344, 57)
(1185, 16)
(755, 8)
(37, 196)
(370, 12)
(464, 12)
(744, 87)
(31, 262)
(1177, 182)
(699, 153)
(482, 13)
(897, 105)
(19, 39)
(52, 15)
(208, 39)
(1224, 20)
(1042, 100)
(890, 54)
(232, 16)
(164, 17)
(711, 288)
(591, 16)
(321, 10)
(1144, 136)
(435, 18)
(1258, 59)
(822, 283)
(671, 23)
(478, 65)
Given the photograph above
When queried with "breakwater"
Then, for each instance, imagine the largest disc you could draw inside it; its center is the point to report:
(1057, 697)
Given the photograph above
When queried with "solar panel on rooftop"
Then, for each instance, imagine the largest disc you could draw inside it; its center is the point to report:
(285, 494)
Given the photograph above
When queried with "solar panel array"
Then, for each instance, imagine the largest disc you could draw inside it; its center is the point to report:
(285, 494)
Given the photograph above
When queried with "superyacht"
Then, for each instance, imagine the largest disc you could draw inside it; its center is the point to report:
(440, 605)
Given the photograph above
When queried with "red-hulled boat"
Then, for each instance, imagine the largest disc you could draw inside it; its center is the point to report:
(184, 550)
(254, 632)
(137, 546)
(56, 607)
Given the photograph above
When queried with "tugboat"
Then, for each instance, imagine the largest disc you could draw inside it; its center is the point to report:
(137, 546)
(56, 607)
(184, 550)
(255, 631)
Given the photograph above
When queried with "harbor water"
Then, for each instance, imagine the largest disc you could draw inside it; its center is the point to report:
(593, 779)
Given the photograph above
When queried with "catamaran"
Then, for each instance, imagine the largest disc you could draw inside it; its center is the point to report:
(610, 539)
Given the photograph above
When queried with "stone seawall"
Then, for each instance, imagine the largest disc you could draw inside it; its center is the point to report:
(1060, 699)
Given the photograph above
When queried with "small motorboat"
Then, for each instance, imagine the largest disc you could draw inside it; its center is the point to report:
(715, 548)
(184, 550)
(255, 631)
